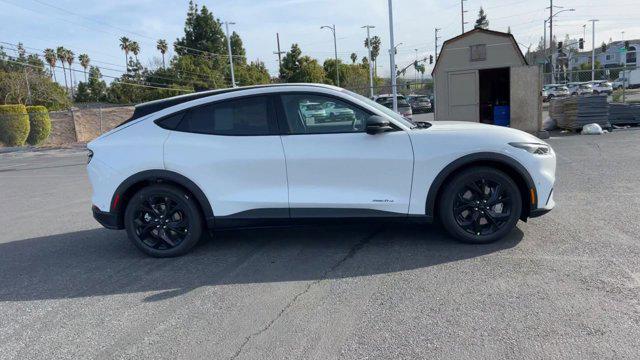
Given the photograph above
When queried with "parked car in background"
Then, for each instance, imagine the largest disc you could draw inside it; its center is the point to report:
(313, 112)
(601, 87)
(619, 83)
(629, 79)
(404, 108)
(554, 91)
(419, 103)
(248, 156)
(577, 89)
(337, 111)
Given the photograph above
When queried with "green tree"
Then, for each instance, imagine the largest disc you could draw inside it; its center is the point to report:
(70, 57)
(354, 58)
(329, 66)
(84, 62)
(297, 68)
(202, 32)
(51, 59)
(376, 43)
(125, 45)
(237, 50)
(61, 54)
(482, 22)
(162, 47)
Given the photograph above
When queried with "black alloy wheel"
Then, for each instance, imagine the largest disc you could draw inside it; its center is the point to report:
(480, 205)
(163, 221)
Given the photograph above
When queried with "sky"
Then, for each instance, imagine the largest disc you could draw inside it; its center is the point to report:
(94, 27)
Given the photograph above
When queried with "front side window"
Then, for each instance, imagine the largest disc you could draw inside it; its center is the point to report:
(318, 114)
(247, 116)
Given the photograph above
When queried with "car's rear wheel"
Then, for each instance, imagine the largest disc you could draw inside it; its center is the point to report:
(480, 205)
(163, 221)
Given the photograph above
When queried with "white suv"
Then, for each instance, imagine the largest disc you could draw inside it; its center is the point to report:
(250, 156)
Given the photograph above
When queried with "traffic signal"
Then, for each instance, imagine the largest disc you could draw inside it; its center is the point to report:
(581, 44)
(560, 45)
(626, 45)
(430, 59)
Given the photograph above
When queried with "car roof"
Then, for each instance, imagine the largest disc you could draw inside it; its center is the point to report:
(157, 105)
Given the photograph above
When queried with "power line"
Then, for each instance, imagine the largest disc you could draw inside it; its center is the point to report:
(203, 77)
(115, 81)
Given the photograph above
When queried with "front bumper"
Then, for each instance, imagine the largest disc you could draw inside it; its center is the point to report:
(107, 219)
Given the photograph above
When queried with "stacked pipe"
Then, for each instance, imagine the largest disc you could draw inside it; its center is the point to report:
(624, 114)
(584, 110)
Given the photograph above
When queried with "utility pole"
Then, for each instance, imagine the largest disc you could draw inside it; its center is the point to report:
(335, 51)
(462, 11)
(279, 53)
(593, 49)
(369, 27)
(551, 44)
(584, 31)
(392, 55)
(437, 37)
(233, 77)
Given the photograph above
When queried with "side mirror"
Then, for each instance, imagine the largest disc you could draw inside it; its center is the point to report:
(376, 124)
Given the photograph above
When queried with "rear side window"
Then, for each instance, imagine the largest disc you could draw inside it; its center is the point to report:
(170, 122)
(247, 116)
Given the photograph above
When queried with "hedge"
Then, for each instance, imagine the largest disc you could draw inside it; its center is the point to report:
(14, 125)
(40, 124)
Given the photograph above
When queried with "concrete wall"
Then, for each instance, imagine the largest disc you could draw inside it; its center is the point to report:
(84, 125)
(526, 102)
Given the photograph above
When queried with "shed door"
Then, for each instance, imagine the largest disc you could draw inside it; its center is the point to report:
(526, 103)
(463, 96)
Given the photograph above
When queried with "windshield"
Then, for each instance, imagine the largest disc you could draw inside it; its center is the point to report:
(399, 118)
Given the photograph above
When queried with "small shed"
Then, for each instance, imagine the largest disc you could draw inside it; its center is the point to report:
(482, 76)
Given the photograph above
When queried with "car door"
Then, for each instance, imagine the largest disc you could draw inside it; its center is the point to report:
(232, 150)
(335, 169)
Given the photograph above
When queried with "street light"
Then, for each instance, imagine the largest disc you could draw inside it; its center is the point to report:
(392, 57)
(369, 27)
(593, 48)
(553, 55)
(335, 50)
(233, 77)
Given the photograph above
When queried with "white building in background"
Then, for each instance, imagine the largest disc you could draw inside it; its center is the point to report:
(613, 57)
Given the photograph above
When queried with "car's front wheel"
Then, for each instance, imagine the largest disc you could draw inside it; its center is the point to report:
(163, 221)
(480, 205)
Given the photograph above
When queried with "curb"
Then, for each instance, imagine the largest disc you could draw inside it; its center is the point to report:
(29, 148)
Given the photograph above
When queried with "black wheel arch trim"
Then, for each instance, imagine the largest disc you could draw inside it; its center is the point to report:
(160, 176)
(470, 159)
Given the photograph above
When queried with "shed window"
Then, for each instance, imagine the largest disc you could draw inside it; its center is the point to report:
(479, 52)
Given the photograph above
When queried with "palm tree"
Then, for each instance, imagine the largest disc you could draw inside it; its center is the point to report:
(354, 57)
(135, 49)
(162, 47)
(84, 62)
(125, 45)
(51, 59)
(70, 56)
(61, 54)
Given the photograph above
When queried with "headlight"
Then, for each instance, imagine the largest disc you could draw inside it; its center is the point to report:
(89, 156)
(534, 148)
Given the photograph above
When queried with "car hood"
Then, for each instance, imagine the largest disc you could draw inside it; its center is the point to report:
(483, 132)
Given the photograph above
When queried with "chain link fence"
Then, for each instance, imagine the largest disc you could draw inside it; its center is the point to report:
(567, 76)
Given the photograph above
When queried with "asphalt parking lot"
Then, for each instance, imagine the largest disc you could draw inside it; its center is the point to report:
(563, 286)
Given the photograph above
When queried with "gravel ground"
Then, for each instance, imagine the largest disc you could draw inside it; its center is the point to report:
(563, 286)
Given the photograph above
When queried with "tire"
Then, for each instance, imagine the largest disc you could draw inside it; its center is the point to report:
(468, 214)
(163, 221)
